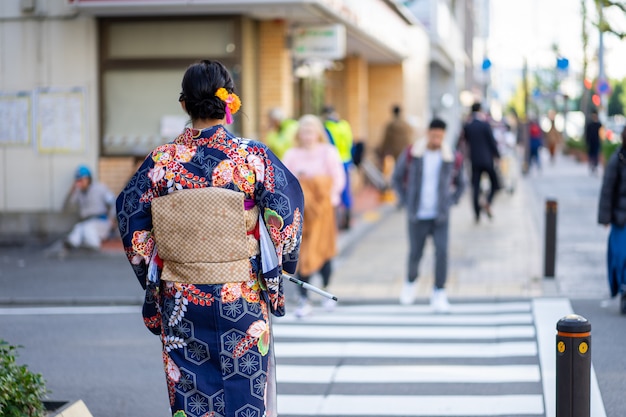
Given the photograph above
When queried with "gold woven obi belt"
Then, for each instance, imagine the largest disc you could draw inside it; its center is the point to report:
(205, 235)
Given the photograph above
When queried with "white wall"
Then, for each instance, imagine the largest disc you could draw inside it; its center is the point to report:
(55, 50)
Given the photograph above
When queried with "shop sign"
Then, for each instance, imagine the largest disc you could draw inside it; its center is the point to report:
(324, 42)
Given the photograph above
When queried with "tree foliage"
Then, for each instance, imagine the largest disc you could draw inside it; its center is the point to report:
(605, 25)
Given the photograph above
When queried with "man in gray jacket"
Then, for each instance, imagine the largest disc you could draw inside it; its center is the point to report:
(428, 179)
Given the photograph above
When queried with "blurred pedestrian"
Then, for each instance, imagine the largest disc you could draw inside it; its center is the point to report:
(398, 135)
(535, 135)
(593, 132)
(340, 135)
(194, 219)
(95, 204)
(428, 180)
(318, 167)
(612, 211)
(554, 138)
(483, 152)
(281, 132)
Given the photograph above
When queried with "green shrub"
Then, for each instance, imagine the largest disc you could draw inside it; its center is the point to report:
(576, 144)
(608, 148)
(21, 391)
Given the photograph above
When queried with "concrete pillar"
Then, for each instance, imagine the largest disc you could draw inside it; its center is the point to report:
(385, 89)
(275, 77)
(356, 94)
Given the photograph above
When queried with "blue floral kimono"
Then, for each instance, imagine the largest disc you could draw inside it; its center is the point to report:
(216, 337)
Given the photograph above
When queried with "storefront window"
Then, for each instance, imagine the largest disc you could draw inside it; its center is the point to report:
(142, 66)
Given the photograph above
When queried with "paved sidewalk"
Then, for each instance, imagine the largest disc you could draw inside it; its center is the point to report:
(502, 258)
(493, 259)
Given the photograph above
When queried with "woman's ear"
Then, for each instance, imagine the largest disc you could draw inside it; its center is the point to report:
(182, 104)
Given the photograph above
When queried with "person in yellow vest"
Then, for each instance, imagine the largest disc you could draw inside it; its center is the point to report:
(282, 132)
(340, 135)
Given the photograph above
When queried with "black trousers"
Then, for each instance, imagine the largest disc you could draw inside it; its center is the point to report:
(477, 172)
(325, 272)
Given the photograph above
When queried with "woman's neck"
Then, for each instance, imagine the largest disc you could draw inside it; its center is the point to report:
(201, 124)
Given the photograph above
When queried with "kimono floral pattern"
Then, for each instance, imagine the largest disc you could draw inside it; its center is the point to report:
(227, 325)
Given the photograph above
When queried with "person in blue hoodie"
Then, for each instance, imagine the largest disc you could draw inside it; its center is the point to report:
(612, 212)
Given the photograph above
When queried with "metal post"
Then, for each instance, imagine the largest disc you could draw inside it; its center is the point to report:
(550, 239)
(573, 367)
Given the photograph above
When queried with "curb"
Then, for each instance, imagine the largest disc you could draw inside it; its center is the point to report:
(75, 409)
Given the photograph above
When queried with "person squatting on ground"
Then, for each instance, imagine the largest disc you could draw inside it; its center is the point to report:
(194, 220)
(318, 167)
(612, 211)
(95, 204)
(483, 151)
(340, 135)
(428, 181)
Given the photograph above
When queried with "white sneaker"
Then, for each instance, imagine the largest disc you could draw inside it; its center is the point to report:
(305, 309)
(439, 301)
(329, 304)
(407, 296)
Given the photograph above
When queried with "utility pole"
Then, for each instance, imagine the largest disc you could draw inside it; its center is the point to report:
(602, 111)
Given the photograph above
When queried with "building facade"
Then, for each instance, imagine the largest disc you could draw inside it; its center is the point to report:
(96, 82)
(451, 26)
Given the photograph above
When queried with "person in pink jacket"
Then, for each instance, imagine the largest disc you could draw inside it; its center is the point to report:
(319, 169)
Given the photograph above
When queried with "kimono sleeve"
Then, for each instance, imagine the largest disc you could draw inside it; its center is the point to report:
(134, 216)
(281, 202)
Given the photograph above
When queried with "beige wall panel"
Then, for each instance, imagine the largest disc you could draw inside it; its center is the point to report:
(27, 181)
(53, 53)
(19, 52)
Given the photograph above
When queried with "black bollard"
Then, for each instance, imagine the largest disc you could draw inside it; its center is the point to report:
(550, 239)
(573, 366)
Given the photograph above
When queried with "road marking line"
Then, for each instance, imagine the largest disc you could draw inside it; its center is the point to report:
(377, 374)
(402, 332)
(398, 405)
(68, 310)
(441, 319)
(404, 350)
(455, 308)
(547, 313)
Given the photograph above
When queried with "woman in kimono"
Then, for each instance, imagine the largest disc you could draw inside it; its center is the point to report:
(188, 207)
(319, 168)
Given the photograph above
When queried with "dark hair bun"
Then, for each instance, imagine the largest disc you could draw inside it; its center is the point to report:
(200, 82)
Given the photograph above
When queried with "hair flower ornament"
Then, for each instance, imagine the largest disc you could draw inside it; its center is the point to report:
(233, 103)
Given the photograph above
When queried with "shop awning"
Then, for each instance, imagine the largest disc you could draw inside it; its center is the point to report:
(376, 30)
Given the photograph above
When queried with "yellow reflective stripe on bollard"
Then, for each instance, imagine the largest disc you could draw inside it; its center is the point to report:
(583, 347)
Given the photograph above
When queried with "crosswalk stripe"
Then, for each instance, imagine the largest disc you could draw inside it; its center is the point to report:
(399, 405)
(379, 374)
(431, 320)
(69, 310)
(403, 332)
(404, 350)
(461, 308)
